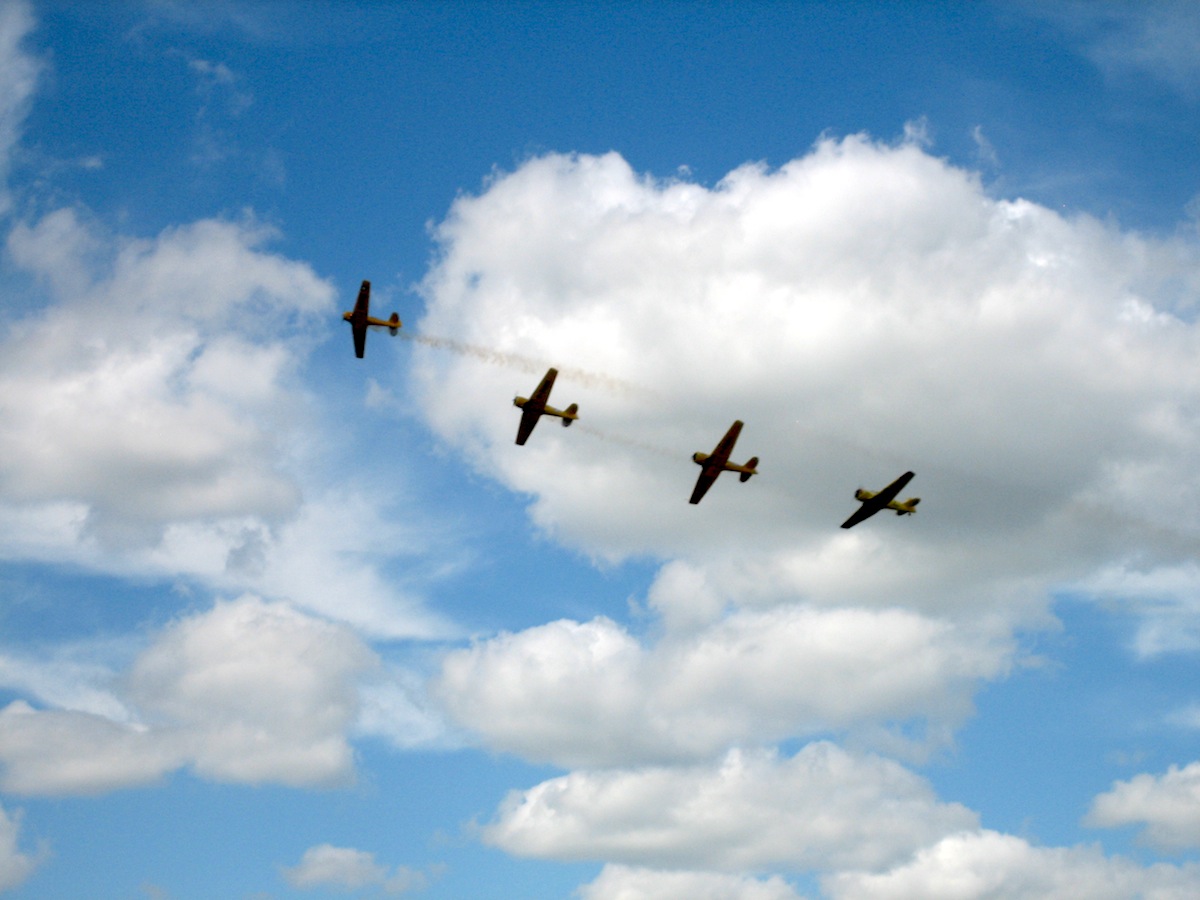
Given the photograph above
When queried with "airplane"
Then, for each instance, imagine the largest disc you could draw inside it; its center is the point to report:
(533, 408)
(360, 319)
(713, 464)
(885, 499)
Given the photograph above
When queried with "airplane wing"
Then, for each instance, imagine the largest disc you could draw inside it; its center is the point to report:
(865, 511)
(362, 306)
(529, 418)
(724, 449)
(358, 319)
(888, 494)
(703, 483)
(541, 393)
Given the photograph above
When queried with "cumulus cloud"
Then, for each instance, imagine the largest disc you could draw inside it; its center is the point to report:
(628, 883)
(154, 421)
(591, 694)
(15, 865)
(986, 864)
(247, 692)
(326, 866)
(152, 391)
(864, 309)
(822, 808)
(1168, 805)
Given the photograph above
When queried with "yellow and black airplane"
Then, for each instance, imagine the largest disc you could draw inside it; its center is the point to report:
(361, 318)
(885, 499)
(713, 464)
(533, 408)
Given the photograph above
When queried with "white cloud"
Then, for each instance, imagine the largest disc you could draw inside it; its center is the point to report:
(985, 864)
(18, 78)
(1186, 717)
(823, 808)
(154, 422)
(591, 694)
(396, 706)
(154, 391)
(247, 692)
(1163, 597)
(864, 309)
(15, 866)
(628, 883)
(1167, 805)
(330, 558)
(326, 866)
(1159, 38)
(63, 752)
(75, 677)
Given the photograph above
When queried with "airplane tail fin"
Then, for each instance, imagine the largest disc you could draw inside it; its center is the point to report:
(570, 414)
(910, 502)
(745, 476)
(394, 323)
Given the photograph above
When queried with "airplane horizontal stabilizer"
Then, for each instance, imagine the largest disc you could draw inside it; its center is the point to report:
(745, 476)
(570, 414)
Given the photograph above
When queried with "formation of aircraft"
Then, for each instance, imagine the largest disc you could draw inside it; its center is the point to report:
(533, 408)
(360, 318)
(885, 499)
(711, 464)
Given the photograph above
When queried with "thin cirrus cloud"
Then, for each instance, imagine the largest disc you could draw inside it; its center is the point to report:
(1158, 39)
(18, 79)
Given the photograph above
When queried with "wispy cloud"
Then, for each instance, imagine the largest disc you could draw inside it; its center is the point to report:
(344, 868)
(1158, 38)
(19, 71)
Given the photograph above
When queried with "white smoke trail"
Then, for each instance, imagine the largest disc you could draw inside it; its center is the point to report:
(529, 364)
(632, 442)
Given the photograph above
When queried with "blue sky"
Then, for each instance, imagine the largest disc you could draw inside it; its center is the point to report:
(277, 622)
